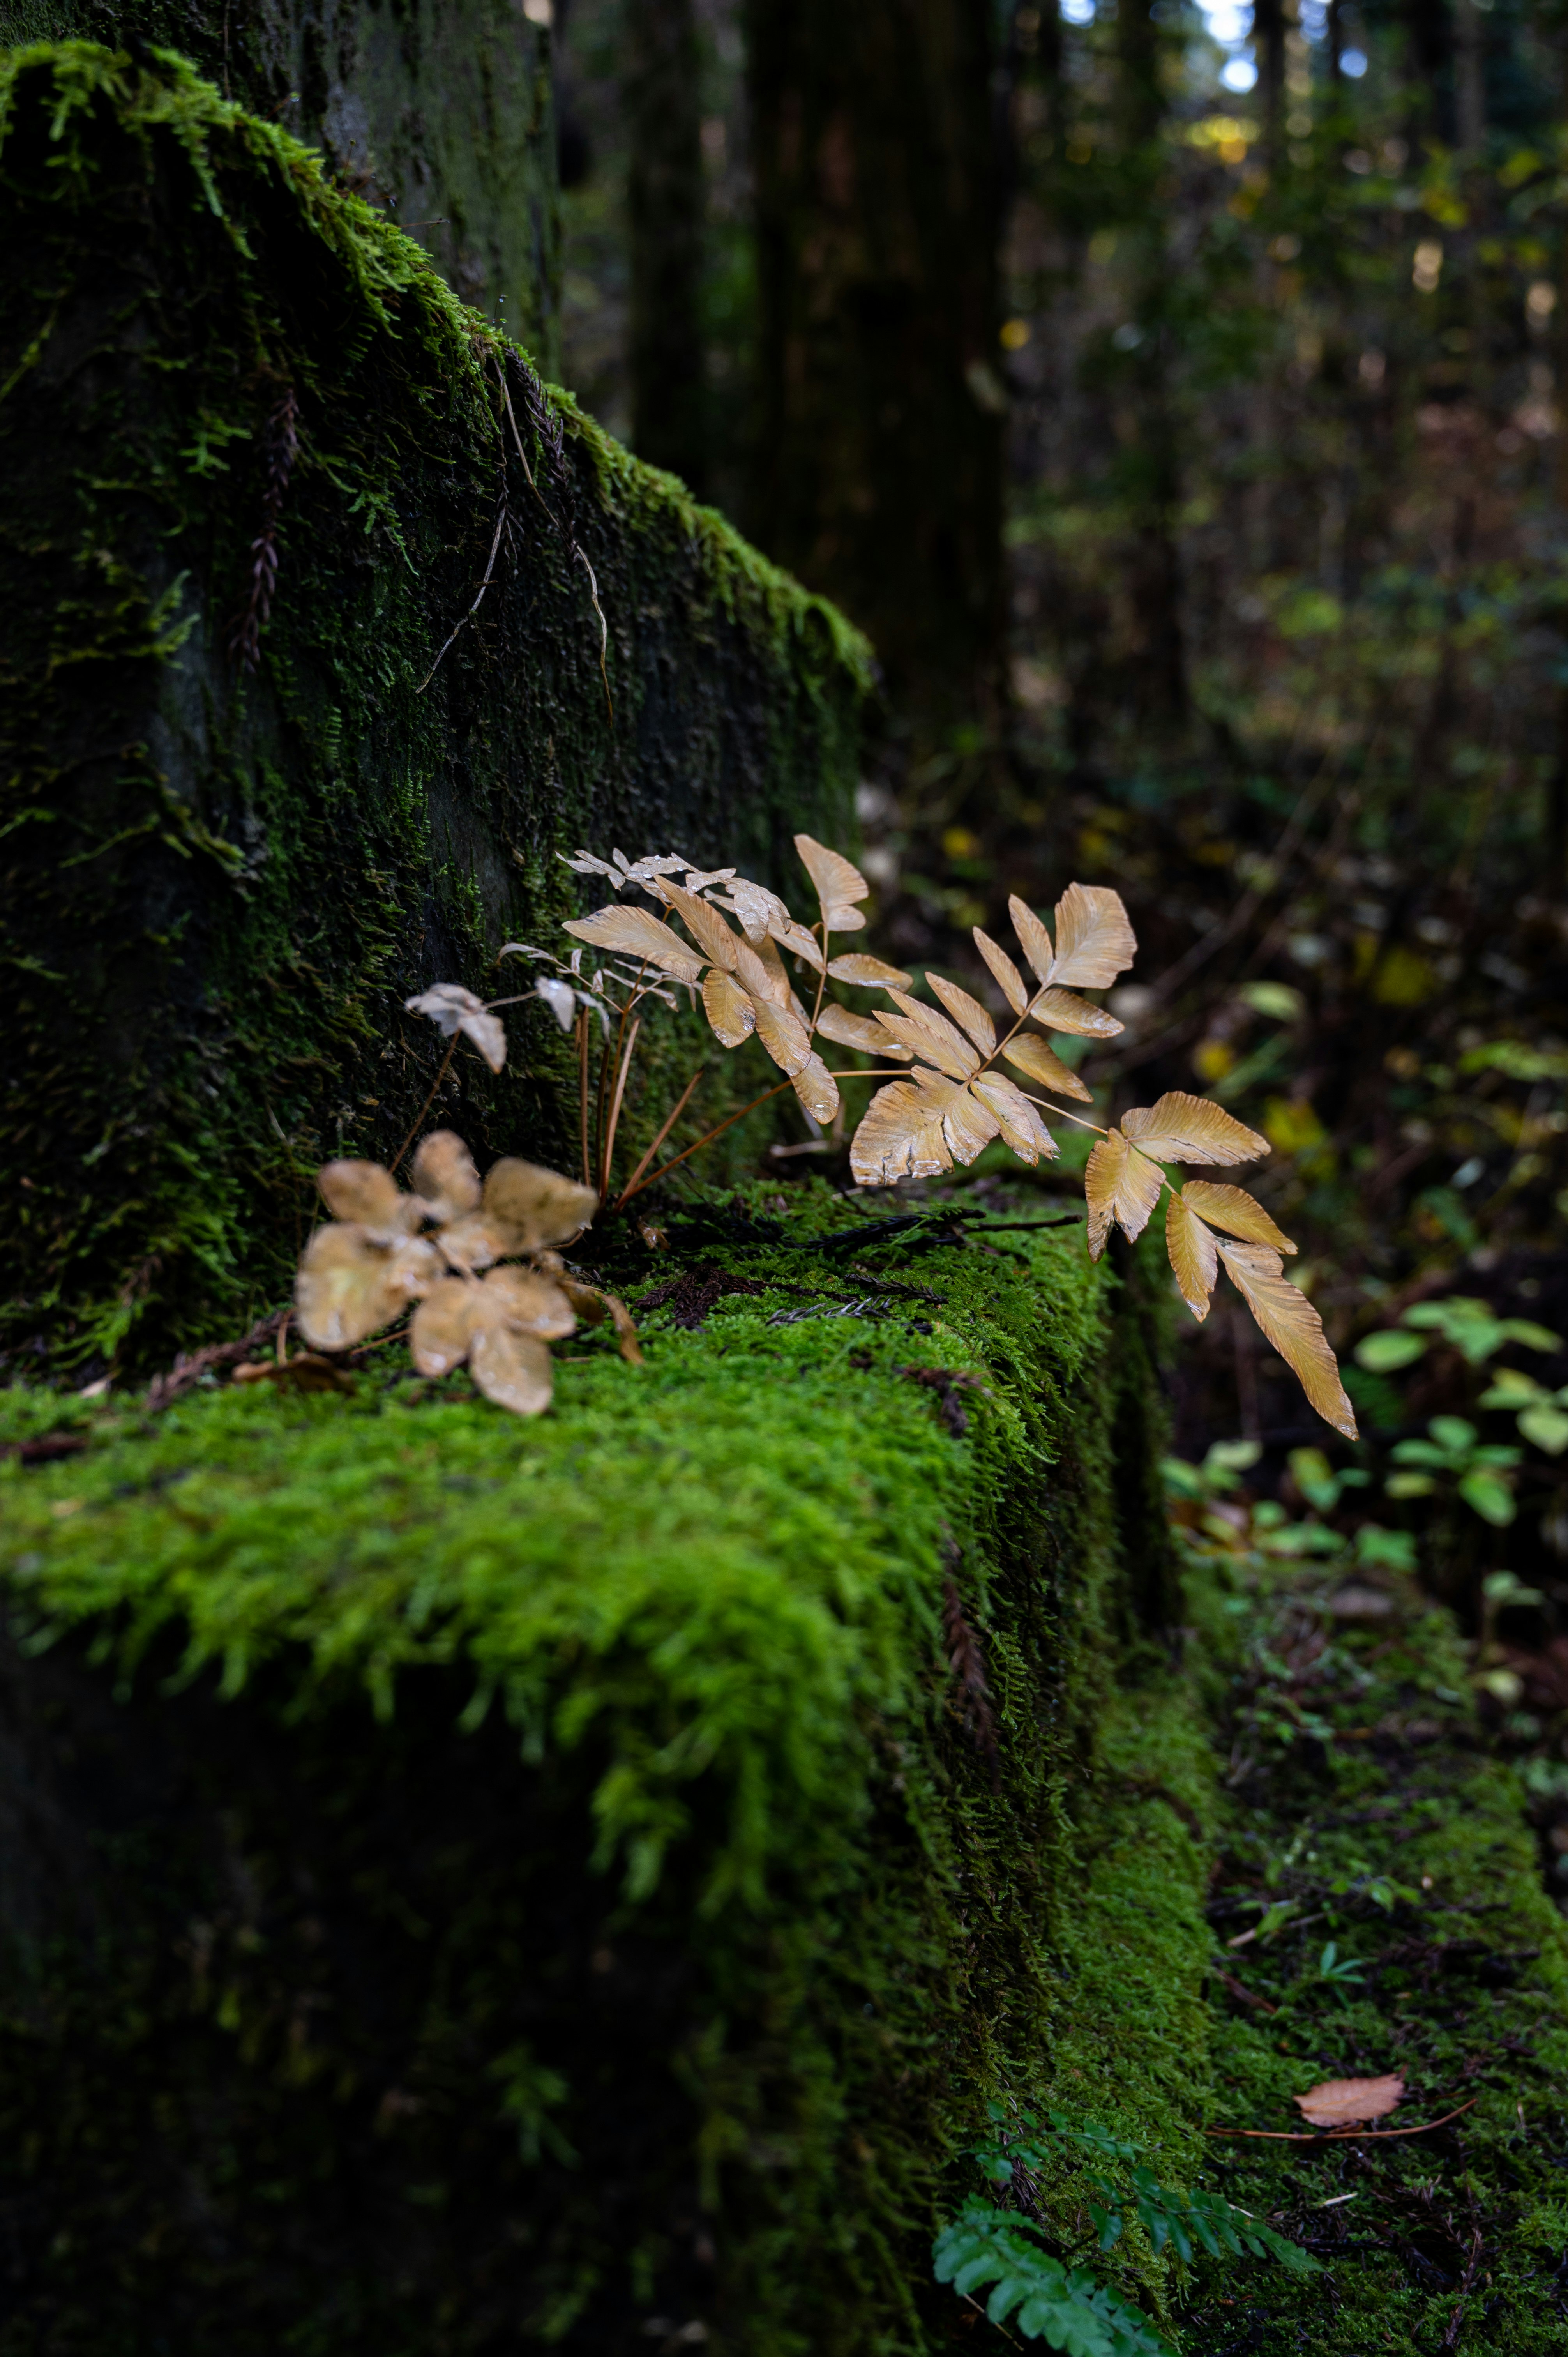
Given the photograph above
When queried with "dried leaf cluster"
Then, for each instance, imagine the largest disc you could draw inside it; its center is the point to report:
(948, 1095)
(449, 1250)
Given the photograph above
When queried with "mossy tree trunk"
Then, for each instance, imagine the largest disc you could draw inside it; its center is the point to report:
(879, 450)
(439, 111)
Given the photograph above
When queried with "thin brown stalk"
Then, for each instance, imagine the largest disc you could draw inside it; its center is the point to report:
(678, 1108)
(522, 455)
(706, 1139)
(610, 1146)
(429, 1100)
(464, 619)
(604, 633)
(583, 1092)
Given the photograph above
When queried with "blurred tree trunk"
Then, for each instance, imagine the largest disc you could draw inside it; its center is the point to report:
(1154, 584)
(660, 89)
(878, 471)
(1269, 39)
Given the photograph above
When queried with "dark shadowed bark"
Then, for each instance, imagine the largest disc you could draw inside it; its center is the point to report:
(879, 453)
(660, 88)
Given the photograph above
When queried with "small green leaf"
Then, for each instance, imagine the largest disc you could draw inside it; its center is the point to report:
(1489, 1498)
(1382, 1353)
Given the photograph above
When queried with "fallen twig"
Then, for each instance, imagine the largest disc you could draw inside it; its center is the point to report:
(1341, 2136)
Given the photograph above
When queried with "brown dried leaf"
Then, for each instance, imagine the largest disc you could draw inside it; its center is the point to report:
(444, 1325)
(816, 1088)
(527, 1301)
(968, 1123)
(453, 1008)
(900, 1137)
(1094, 940)
(839, 885)
(367, 1196)
(859, 1031)
(1119, 1184)
(444, 1178)
(350, 1282)
(1289, 1321)
(513, 1370)
(762, 970)
(727, 1007)
(1351, 2102)
(967, 1011)
(1058, 1010)
(930, 1035)
(1183, 1129)
(1037, 942)
(1027, 1054)
(859, 966)
(1013, 985)
(783, 1035)
(1016, 1118)
(795, 938)
(636, 933)
(1239, 1214)
(594, 1307)
(529, 1207)
(756, 907)
(717, 941)
(1193, 1254)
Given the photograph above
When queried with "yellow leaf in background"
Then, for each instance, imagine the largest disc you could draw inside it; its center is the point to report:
(967, 1011)
(1037, 942)
(1183, 1129)
(1003, 967)
(367, 1195)
(1095, 943)
(1120, 1185)
(727, 1007)
(860, 1031)
(636, 934)
(444, 1178)
(783, 1035)
(1027, 1054)
(1239, 1214)
(900, 1137)
(1402, 977)
(839, 885)
(1212, 1059)
(1058, 1010)
(1287, 1320)
(513, 1370)
(930, 1035)
(816, 1088)
(1193, 1254)
(1293, 1127)
(444, 1325)
(1018, 1121)
(352, 1283)
(858, 966)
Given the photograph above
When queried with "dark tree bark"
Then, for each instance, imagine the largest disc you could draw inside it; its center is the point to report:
(879, 453)
(1269, 38)
(661, 95)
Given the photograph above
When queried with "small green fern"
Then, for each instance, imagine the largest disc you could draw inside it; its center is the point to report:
(1066, 2307)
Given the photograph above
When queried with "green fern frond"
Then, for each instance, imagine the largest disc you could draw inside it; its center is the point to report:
(1066, 2310)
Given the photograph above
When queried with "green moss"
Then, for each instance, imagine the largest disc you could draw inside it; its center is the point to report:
(219, 888)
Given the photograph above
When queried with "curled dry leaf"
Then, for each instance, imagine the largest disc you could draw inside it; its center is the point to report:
(529, 1208)
(816, 1089)
(513, 1370)
(728, 1008)
(559, 996)
(1351, 2102)
(967, 1011)
(1118, 1184)
(783, 1035)
(716, 940)
(1194, 1254)
(1036, 939)
(1061, 1010)
(755, 906)
(452, 1008)
(930, 1034)
(594, 1307)
(637, 933)
(1017, 1120)
(445, 1177)
(1239, 1214)
(1013, 988)
(839, 883)
(858, 966)
(1289, 1321)
(1095, 943)
(1183, 1129)
(1027, 1054)
(859, 1031)
(797, 941)
(900, 1137)
(444, 1325)
(500, 1327)
(353, 1281)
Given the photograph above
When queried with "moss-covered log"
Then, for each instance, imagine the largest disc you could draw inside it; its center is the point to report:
(261, 468)
(438, 110)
